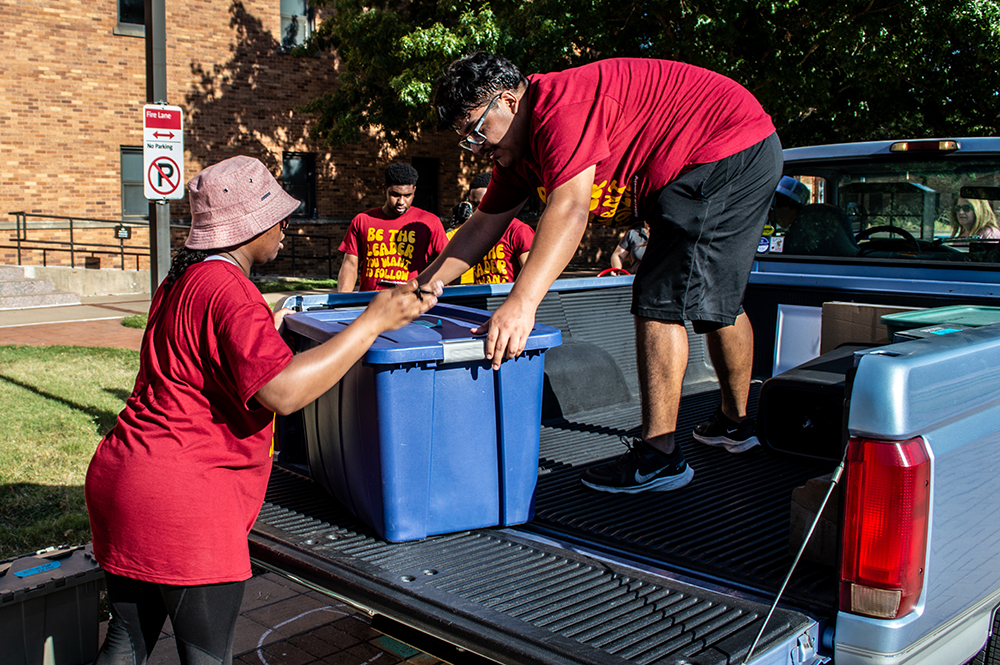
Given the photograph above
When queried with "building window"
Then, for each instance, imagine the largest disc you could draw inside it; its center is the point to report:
(296, 23)
(131, 18)
(134, 202)
(298, 178)
(132, 11)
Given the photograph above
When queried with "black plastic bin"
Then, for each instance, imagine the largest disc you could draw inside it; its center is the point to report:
(50, 606)
(801, 411)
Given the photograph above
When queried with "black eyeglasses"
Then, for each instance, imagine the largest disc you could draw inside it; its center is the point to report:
(965, 207)
(475, 137)
(284, 223)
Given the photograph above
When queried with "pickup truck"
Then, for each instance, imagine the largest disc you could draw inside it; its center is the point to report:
(692, 576)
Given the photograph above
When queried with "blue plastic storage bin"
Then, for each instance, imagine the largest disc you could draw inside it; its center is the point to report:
(422, 436)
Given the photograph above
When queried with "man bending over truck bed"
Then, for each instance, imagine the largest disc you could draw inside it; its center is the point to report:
(618, 141)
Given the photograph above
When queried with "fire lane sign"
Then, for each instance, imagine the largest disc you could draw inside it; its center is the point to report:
(163, 151)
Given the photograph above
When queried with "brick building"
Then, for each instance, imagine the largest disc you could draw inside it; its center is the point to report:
(71, 123)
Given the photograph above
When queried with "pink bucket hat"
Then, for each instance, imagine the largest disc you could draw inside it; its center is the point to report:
(233, 201)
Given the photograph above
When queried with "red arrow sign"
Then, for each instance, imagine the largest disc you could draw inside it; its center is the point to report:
(168, 135)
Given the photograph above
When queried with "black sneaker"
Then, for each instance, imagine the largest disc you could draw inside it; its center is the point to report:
(725, 433)
(641, 469)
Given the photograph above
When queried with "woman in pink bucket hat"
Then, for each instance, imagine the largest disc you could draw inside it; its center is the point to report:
(174, 488)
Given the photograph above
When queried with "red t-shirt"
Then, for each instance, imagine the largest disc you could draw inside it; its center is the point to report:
(502, 264)
(395, 250)
(641, 122)
(175, 487)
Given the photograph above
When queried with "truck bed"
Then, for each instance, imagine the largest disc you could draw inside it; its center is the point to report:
(593, 578)
(729, 526)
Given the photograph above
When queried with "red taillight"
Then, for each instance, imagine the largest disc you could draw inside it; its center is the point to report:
(886, 508)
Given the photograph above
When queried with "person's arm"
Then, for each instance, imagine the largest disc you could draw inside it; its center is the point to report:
(560, 230)
(617, 257)
(468, 245)
(313, 372)
(348, 273)
(522, 237)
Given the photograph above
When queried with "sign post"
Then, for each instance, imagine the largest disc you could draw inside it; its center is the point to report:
(156, 93)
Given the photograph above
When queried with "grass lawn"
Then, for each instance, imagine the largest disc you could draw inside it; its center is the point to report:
(267, 285)
(57, 403)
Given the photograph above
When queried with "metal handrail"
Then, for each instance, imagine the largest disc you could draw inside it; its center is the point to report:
(292, 254)
(23, 243)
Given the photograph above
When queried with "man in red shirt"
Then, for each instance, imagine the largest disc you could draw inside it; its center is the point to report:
(391, 244)
(504, 261)
(618, 141)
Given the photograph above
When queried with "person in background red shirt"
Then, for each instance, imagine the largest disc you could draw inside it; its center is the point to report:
(391, 244)
(618, 141)
(174, 488)
(505, 260)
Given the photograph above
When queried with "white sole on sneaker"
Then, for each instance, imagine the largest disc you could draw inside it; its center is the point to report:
(729, 444)
(665, 484)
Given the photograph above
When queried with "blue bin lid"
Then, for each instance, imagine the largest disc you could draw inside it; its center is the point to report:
(440, 334)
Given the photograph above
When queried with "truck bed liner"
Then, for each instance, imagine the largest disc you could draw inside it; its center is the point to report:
(731, 523)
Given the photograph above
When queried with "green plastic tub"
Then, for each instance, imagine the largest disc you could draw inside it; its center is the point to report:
(970, 316)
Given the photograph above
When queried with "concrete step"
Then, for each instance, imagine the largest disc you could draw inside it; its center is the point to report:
(50, 299)
(24, 287)
(20, 292)
(11, 272)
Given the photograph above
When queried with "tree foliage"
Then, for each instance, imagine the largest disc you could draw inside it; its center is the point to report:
(826, 72)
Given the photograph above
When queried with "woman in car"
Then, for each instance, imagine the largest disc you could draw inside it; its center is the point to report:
(974, 219)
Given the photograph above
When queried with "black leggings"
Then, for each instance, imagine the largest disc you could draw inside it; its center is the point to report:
(203, 618)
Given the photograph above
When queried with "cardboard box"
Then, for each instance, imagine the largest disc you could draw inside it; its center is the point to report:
(854, 323)
(823, 544)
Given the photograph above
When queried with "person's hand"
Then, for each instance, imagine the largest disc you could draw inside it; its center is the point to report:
(394, 308)
(507, 331)
(279, 317)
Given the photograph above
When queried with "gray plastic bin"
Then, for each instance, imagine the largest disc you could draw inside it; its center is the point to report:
(50, 603)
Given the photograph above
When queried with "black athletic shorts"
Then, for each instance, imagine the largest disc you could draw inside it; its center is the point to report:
(704, 228)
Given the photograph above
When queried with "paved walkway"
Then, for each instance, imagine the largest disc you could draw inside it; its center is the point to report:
(281, 622)
(96, 322)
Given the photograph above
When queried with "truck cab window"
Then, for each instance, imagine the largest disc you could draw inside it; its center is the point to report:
(927, 210)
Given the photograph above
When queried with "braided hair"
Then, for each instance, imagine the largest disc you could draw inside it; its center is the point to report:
(183, 259)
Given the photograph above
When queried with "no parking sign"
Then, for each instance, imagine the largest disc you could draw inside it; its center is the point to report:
(163, 151)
